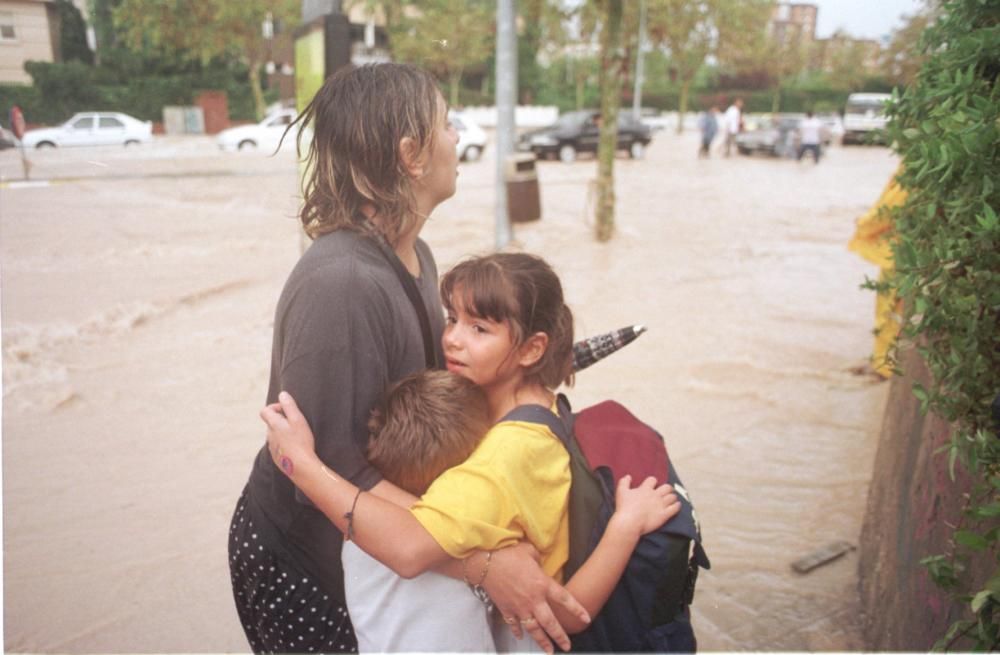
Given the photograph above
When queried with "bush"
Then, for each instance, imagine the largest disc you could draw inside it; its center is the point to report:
(947, 255)
(62, 89)
(25, 97)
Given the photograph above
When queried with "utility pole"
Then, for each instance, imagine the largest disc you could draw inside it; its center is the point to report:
(506, 97)
(639, 64)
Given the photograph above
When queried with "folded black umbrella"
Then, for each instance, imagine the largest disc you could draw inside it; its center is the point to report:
(593, 349)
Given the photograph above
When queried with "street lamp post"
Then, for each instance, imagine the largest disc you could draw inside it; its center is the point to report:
(506, 93)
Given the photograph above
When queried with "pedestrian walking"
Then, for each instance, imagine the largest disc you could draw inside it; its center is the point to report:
(810, 137)
(733, 123)
(708, 124)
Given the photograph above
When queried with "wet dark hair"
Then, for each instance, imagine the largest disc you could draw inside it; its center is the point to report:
(358, 118)
(523, 291)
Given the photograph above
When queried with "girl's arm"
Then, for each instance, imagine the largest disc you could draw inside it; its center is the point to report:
(638, 511)
(393, 536)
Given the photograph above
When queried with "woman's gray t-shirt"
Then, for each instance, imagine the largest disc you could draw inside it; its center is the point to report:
(344, 329)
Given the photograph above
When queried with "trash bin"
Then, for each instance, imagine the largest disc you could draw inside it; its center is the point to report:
(523, 201)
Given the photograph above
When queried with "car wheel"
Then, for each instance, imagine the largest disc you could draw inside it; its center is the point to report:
(567, 153)
(636, 150)
(45, 144)
(472, 153)
(131, 142)
(743, 150)
(248, 144)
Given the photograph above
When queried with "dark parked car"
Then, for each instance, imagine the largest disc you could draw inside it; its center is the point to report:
(577, 131)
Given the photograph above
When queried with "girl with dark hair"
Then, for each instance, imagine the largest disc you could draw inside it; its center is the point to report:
(509, 331)
(381, 158)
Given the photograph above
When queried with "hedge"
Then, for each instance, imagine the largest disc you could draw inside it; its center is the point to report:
(946, 128)
(62, 89)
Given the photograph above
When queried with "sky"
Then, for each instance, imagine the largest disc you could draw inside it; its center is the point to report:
(862, 19)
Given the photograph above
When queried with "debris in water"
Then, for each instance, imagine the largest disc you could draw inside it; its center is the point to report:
(824, 555)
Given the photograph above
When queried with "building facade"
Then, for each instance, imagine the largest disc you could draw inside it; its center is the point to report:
(793, 21)
(29, 31)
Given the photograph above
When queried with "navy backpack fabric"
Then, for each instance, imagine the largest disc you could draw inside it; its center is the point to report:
(648, 609)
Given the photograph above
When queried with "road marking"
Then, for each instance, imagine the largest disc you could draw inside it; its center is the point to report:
(25, 184)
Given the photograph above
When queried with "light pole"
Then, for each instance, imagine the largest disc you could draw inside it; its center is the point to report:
(506, 92)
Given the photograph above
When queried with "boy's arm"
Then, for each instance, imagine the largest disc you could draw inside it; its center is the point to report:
(638, 511)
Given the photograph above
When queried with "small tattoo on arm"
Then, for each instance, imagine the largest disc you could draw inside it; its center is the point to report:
(286, 465)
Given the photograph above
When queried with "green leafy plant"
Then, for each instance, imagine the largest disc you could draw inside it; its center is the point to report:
(946, 127)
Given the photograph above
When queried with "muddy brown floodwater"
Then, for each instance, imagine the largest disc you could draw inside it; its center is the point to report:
(138, 291)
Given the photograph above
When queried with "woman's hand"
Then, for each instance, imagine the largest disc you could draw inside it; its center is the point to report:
(289, 438)
(646, 507)
(524, 595)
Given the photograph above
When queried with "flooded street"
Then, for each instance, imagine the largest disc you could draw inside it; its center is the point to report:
(137, 305)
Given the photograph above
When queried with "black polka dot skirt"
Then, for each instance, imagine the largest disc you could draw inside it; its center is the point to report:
(282, 610)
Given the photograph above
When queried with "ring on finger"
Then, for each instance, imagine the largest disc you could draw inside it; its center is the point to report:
(529, 621)
(509, 620)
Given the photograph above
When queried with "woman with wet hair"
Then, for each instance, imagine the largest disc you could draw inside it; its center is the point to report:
(382, 156)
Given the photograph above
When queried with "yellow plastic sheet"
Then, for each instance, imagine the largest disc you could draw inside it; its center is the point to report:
(872, 240)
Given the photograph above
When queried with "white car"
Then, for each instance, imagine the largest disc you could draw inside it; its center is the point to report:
(264, 136)
(92, 128)
(864, 117)
(471, 137)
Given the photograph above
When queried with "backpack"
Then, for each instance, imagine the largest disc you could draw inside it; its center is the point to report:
(648, 609)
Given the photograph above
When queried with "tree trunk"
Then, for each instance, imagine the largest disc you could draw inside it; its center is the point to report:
(258, 93)
(454, 84)
(611, 75)
(682, 104)
(776, 99)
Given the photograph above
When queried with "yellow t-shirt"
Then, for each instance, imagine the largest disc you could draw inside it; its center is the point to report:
(514, 486)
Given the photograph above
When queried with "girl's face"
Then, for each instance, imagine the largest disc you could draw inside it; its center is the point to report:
(479, 349)
(437, 183)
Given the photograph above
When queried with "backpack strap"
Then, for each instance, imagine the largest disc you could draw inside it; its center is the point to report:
(543, 415)
(588, 491)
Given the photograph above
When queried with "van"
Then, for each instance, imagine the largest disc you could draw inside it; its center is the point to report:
(864, 118)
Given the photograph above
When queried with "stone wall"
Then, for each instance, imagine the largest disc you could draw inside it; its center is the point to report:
(910, 502)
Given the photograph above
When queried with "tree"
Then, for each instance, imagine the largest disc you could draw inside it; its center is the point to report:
(612, 73)
(845, 63)
(902, 58)
(686, 30)
(73, 34)
(101, 17)
(206, 29)
(446, 37)
(543, 25)
(691, 31)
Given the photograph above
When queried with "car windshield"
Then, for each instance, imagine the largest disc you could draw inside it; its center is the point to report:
(864, 106)
(572, 119)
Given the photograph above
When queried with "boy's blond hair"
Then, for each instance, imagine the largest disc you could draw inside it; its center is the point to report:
(425, 424)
